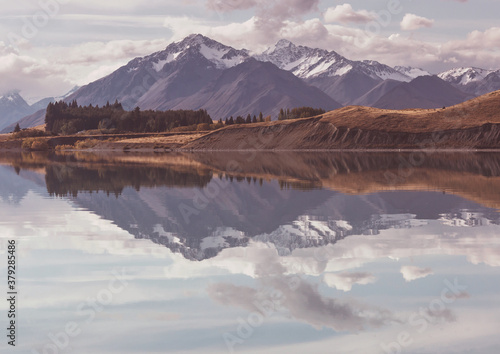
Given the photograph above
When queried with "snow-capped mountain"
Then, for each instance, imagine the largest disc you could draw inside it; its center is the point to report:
(12, 108)
(473, 80)
(222, 56)
(305, 62)
(200, 73)
(35, 114)
(308, 63)
(464, 76)
(342, 79)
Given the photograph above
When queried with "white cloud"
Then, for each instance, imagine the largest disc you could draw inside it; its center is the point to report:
(413, 22)
(345, 281)
(98, 52)
(30, 74)
(45, 72)
(487, 40)
(411, 273)
(345, 14)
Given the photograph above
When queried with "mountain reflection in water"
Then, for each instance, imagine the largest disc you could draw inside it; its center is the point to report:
(201, 203)
(321, 250)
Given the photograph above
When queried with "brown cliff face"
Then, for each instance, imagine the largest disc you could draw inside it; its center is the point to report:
(474, 124)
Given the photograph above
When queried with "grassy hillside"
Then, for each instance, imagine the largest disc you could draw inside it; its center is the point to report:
(474, 124)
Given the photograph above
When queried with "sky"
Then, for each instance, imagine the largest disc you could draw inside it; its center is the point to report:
(49, 46)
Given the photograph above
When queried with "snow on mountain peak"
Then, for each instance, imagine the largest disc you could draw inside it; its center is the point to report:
(381, 71)
(12, 96)
(303, 62)
(464, 76)
(221, 55)
(306, 63)
(283, 43)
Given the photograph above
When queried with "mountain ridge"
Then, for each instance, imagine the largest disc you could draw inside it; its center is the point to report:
(180, 75)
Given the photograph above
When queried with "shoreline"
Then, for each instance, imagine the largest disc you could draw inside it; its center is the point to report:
(175, 150)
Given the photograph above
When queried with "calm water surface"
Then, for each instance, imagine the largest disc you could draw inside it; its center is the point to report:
(253, 253)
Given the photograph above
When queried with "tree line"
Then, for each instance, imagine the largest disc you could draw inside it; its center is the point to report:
(300, 112)
(69, 118)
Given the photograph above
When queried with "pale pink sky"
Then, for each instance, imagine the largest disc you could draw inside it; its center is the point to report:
(48, 46)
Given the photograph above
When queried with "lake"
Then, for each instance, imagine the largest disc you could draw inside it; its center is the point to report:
(246, 252)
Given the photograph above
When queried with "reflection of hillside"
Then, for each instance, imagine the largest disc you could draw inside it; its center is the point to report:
(475, 176)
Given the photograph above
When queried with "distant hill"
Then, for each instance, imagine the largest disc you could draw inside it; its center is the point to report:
(30, 121)
(422, 92)
(376, 93)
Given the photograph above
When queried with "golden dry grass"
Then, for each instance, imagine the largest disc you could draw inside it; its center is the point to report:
(476, 112)
(173, 139)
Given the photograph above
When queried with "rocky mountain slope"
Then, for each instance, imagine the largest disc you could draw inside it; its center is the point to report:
(198, 72)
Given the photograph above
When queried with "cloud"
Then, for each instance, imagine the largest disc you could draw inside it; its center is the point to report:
(345, 281)
(98, 52)
(270, 19)
(345, 14)
(487, 40)
(297, 296)
(412, 273)
(413, 22)
(442, 315)
(53, 71)
(31, 74)
(303, 301)
(297, 20)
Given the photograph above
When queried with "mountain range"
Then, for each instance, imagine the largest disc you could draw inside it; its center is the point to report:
(200, 73)
(14, 109)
